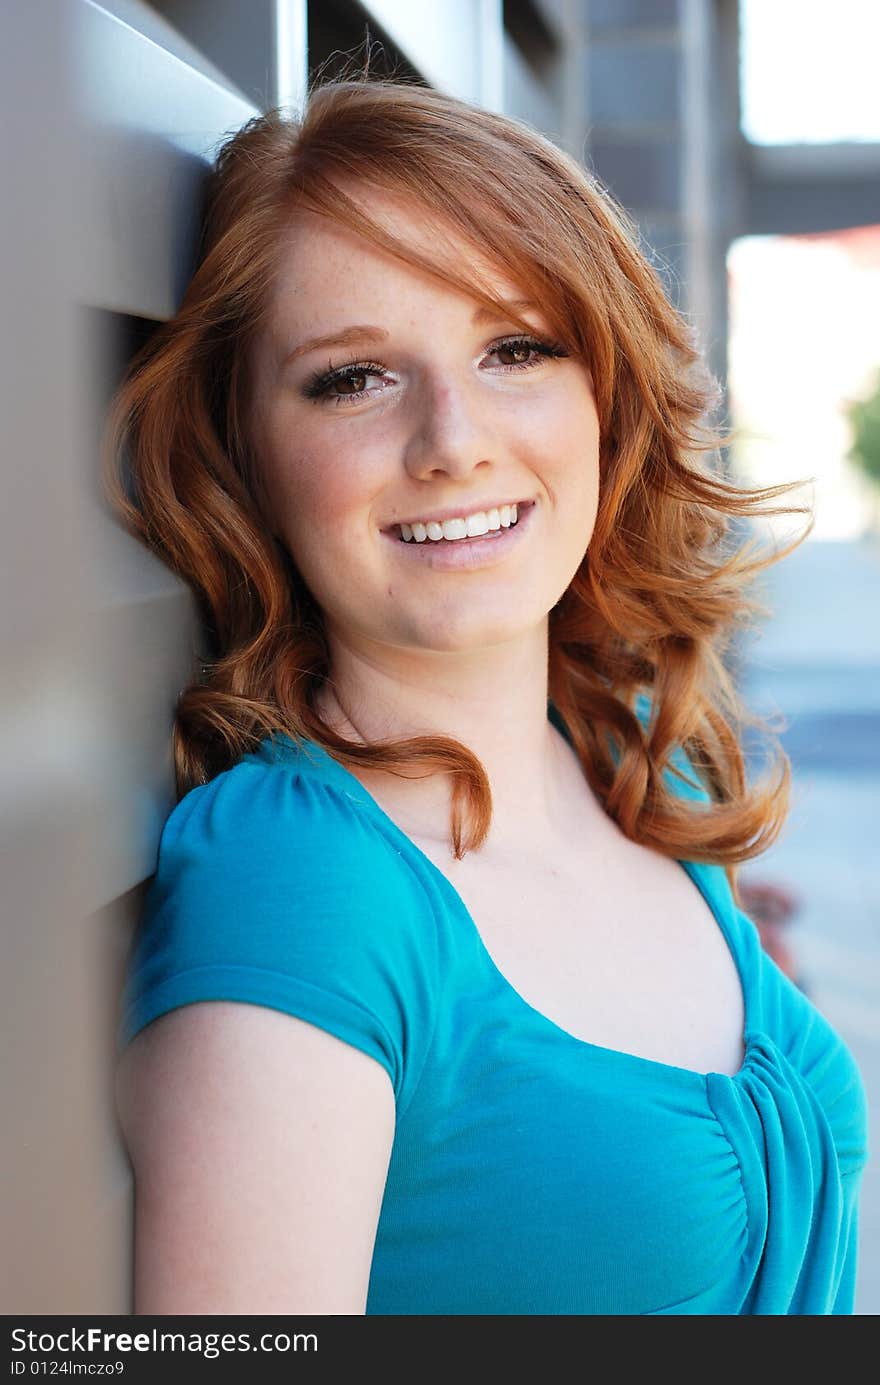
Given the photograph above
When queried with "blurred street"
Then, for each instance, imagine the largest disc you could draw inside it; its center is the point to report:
(817, 663)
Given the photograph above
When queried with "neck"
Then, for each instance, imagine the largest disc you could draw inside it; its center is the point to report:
(494, 701)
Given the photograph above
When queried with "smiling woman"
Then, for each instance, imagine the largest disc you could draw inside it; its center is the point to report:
(442, 1000)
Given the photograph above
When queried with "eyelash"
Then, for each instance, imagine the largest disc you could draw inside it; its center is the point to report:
(319, 386)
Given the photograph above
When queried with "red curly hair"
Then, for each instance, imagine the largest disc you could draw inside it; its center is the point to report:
(663, 585)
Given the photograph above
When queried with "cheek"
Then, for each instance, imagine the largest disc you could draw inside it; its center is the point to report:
(567, 441)
(302, 491)
(312, 484)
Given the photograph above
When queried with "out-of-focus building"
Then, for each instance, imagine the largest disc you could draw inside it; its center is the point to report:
(803, 344)
(118, 106)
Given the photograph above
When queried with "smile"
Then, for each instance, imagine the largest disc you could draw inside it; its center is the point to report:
(461, 527)
(485, 547)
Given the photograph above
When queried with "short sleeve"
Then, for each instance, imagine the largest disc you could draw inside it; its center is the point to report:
(277, 889)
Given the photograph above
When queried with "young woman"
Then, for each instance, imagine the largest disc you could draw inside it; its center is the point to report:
(442, 1000)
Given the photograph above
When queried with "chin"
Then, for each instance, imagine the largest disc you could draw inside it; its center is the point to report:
(457, 633)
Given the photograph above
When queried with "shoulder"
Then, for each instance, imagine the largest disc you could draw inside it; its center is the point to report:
(271, 799)
(281, 821)
(276, 884)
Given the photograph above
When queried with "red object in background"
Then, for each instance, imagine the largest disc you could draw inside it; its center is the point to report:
(771, 907)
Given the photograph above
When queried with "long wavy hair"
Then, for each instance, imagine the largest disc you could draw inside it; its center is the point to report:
(649, 618)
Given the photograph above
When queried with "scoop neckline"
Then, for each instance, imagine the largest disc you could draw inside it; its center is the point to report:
(332, 769)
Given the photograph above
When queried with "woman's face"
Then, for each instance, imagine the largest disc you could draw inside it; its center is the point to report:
(381, 397)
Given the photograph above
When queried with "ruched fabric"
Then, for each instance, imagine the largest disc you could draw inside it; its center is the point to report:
(531, 1172)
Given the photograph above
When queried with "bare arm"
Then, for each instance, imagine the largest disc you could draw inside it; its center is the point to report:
(260, 1147)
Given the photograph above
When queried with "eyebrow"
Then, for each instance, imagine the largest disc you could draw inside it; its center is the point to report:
(518, 305)
(345, 338)
(365, 332)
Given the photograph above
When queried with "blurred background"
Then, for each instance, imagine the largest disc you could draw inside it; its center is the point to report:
(743, 135)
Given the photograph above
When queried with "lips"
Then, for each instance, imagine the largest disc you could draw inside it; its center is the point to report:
(467, 554)
(439, 516)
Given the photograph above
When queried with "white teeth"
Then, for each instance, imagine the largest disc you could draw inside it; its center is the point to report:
(462, 527)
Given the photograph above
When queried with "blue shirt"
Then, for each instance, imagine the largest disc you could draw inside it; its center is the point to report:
(531, 1172)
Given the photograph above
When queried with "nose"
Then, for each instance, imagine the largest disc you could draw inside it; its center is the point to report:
(450, 435)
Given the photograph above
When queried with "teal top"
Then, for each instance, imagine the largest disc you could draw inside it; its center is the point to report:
(531, 1172)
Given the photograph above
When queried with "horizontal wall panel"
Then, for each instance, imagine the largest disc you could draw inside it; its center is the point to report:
(146, 19)
(64, 1241)
(259, 45)
(150, 126)
(447, 43)
(144, 628)
(146, 649)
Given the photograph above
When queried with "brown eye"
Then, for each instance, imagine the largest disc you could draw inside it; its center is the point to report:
(524, 353)
(354, 382)
(348, 382)
(518, 350)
